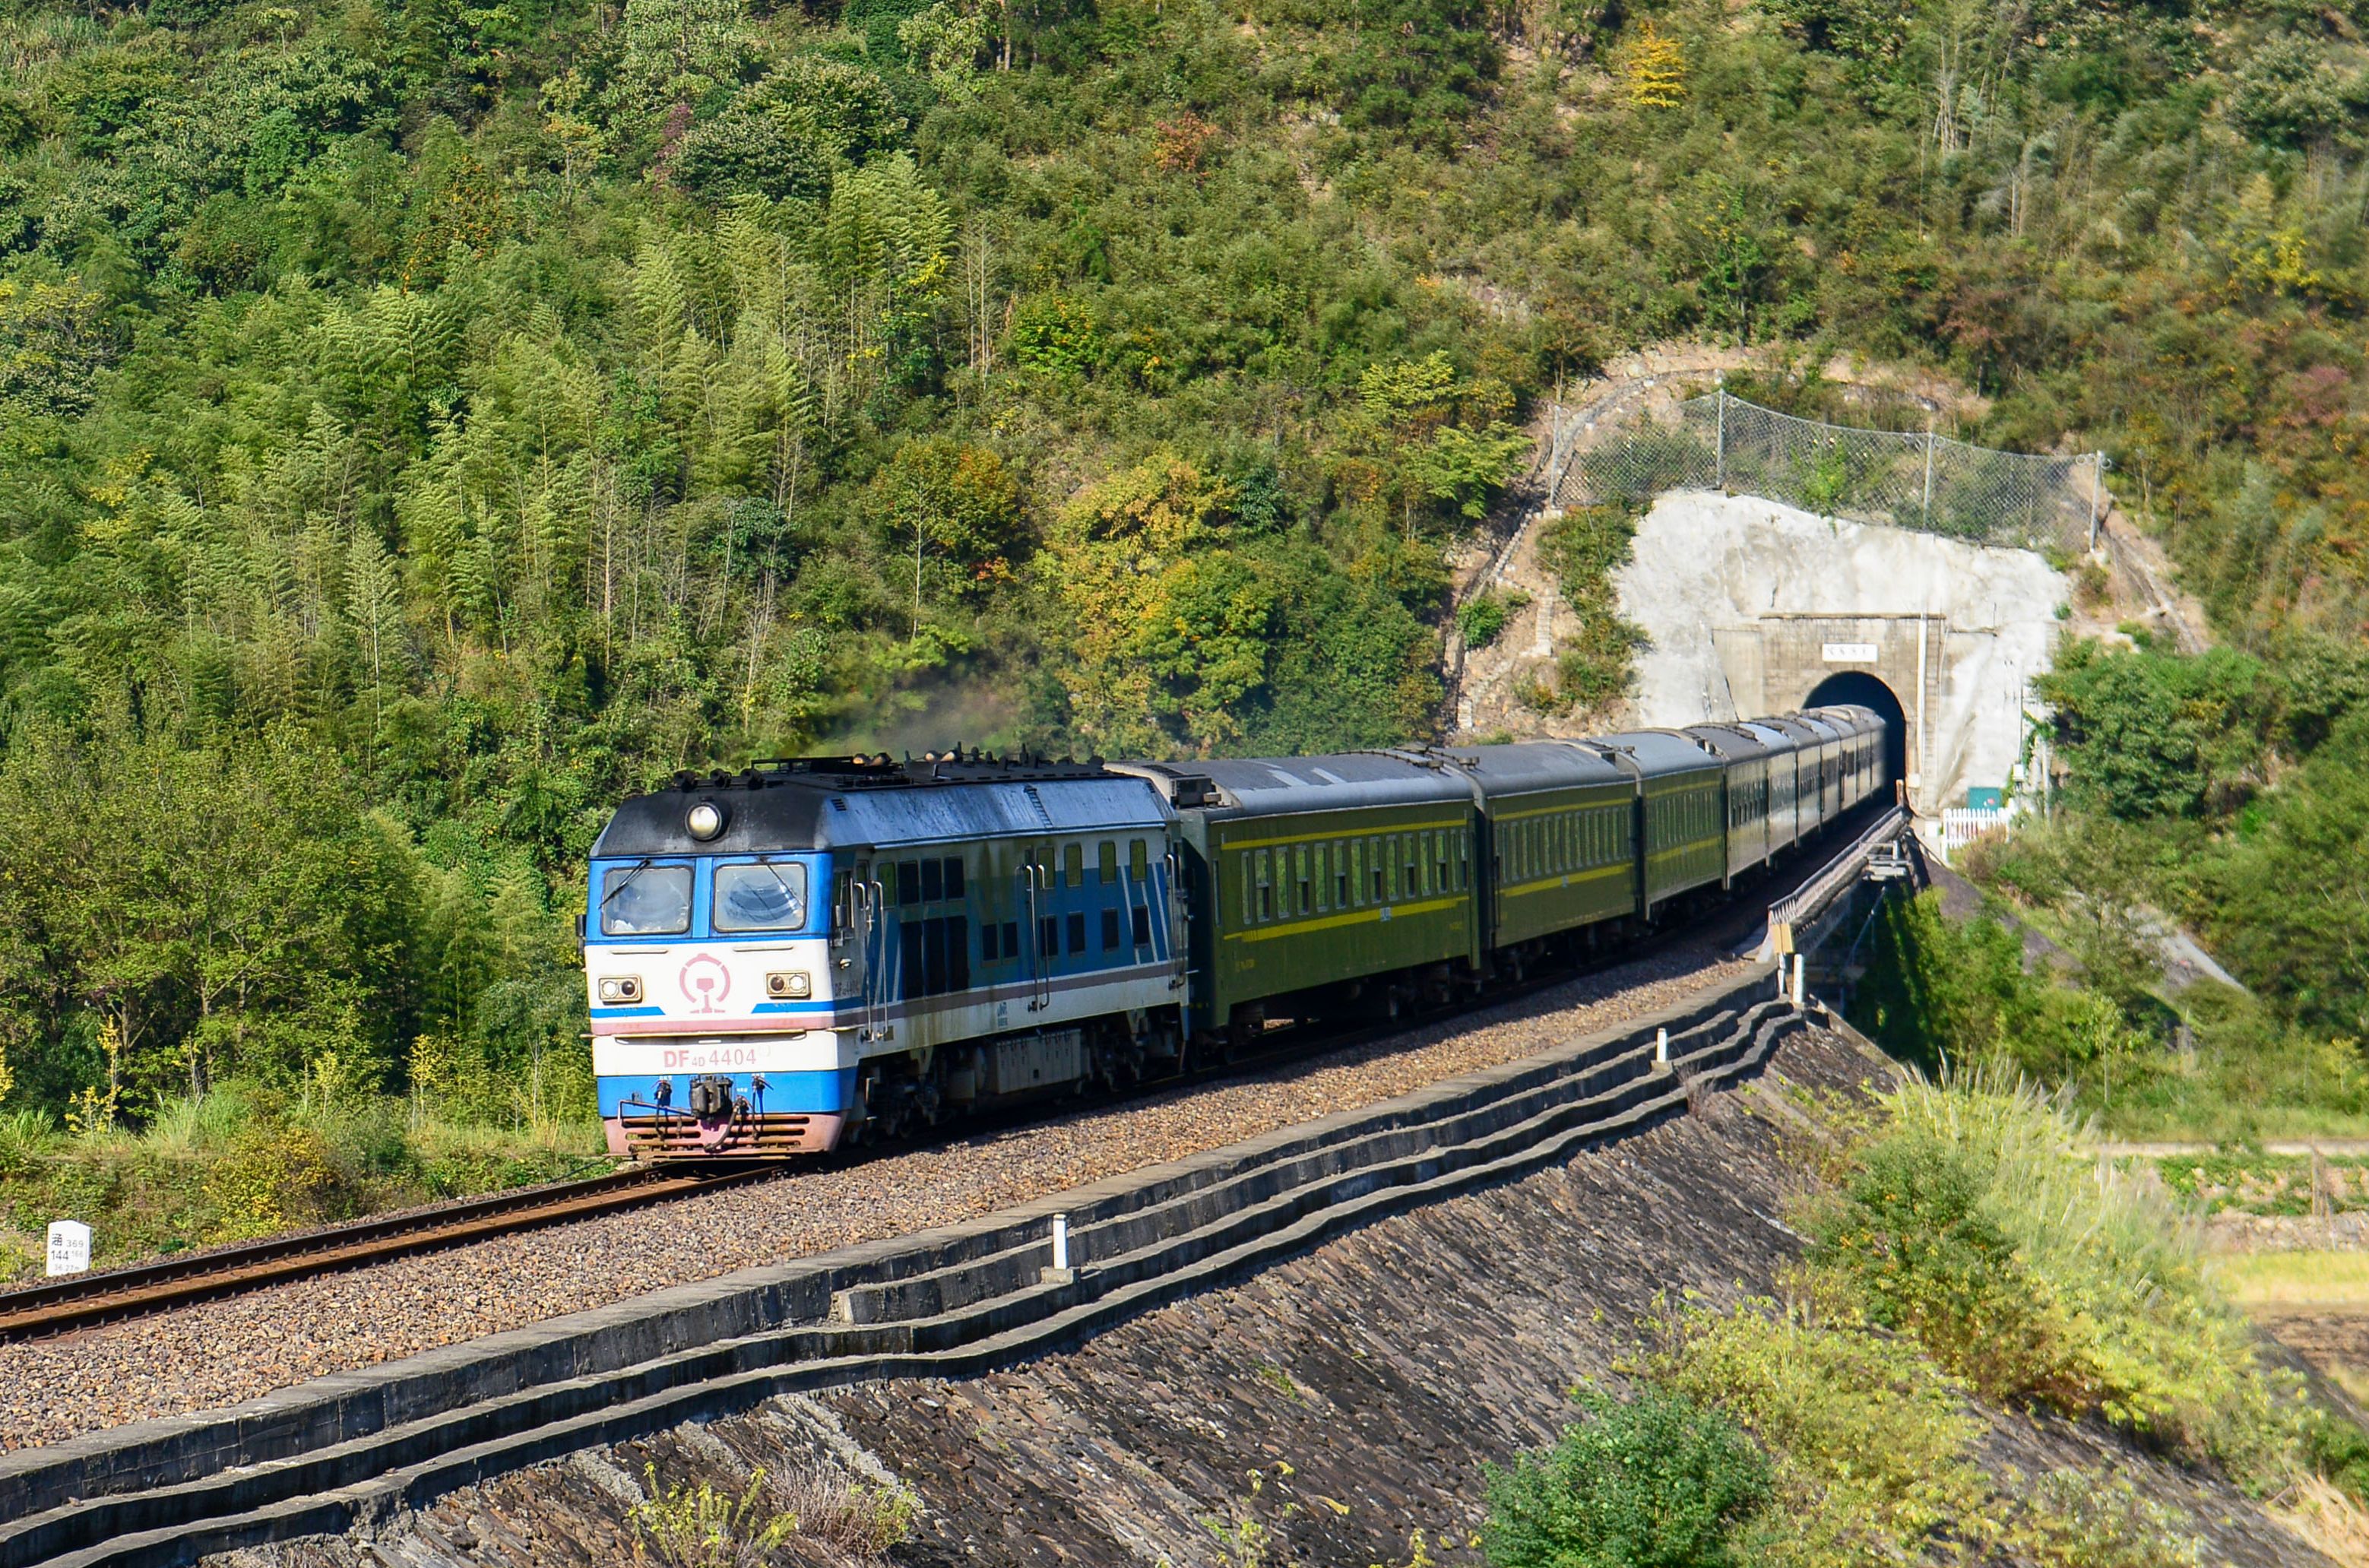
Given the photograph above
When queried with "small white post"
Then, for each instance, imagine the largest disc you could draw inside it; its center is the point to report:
(69, 1247)
(1800, 971)
(1721, 477)
(1661, 1047)
(1060, 1241)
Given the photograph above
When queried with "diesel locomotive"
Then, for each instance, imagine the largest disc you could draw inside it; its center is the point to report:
(818, 951)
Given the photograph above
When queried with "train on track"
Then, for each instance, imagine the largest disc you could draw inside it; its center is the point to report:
(821, 951)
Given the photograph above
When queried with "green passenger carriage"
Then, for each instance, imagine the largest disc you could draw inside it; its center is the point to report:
(1562, 819)
(1314, 874)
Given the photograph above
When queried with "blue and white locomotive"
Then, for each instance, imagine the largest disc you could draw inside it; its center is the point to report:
(817, 951)
(779, 958)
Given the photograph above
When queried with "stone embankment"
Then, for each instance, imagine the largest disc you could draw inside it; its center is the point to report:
(1335, 1408)
(218, 1353)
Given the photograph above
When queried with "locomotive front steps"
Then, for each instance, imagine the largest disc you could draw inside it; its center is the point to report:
(949, 1302)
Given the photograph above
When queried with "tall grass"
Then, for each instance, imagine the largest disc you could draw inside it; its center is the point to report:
(246, 1159)
(1968, 1219)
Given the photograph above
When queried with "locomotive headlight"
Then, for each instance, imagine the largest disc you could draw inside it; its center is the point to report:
(705, 820)
(793, 982)
(619, 988)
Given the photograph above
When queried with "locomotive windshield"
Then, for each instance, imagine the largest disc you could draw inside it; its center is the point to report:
(762, 897)
(647, 901)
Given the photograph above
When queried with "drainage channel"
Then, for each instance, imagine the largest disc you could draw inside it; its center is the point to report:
(322, 1458)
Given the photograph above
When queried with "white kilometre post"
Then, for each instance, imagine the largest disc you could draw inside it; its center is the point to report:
(1060, 1241)
(69, 1247)
(1661, 1047)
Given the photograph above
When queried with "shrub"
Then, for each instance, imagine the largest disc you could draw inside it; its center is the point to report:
(1967, 1222)
(273, 1178)
(1481, 618)
(1657, 1482)
(1868, 1442)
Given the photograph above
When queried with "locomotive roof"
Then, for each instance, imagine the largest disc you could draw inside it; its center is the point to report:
(1660, 751)
(825, 803)
(1525, 767)
(1278, 786)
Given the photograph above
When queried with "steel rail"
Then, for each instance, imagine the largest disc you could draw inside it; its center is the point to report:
(84, 1301)
(81, 1301)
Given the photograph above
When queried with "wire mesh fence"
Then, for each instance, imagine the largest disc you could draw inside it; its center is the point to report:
(1901, 479)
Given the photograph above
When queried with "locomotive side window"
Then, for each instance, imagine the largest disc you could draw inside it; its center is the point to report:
(1110, 929)
(1012, 939)
(954, 877)
(987, 941)
(934, 881)
(645, 900)
(1073, 865)
(1138, 860)
(1076, 934)
(1141, 920)
(1048, 937)
(1106, 862)
(759, 898)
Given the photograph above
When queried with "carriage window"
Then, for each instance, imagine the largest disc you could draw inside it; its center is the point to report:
(1299, 866)
(1439, 862)
(1317, 874)
(1340, 877)
(1106, 862)
(759, 898)
(645, 900)
(1073, 865)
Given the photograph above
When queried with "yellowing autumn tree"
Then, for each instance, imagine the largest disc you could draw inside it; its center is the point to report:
(1655, 68)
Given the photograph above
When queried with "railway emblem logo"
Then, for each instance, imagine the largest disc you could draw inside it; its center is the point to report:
(705, 983)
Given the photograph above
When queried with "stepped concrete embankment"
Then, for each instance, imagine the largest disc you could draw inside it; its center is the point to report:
(1340, 1401)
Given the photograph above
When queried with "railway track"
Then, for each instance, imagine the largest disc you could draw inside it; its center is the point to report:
(82, 1301)
(86, 1301)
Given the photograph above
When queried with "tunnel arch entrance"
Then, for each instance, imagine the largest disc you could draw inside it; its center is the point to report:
(1869, 691)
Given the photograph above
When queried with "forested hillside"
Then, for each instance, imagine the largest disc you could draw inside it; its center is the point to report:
(420, 423)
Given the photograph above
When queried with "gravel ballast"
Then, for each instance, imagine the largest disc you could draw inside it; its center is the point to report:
(218, 1353)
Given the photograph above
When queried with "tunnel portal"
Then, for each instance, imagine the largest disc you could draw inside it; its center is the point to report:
(1869, 691)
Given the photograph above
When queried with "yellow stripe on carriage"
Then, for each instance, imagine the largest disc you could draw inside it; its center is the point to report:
(1347, 916)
